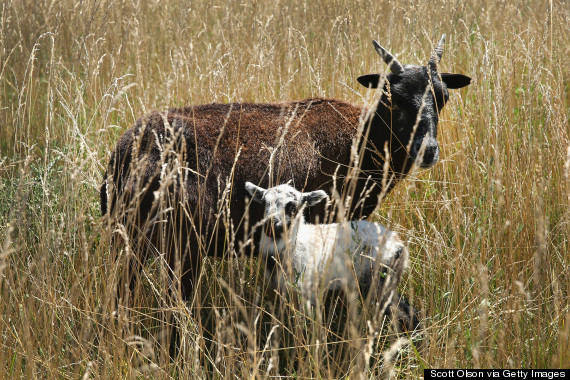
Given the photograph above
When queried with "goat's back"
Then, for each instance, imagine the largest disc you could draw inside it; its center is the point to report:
(211, 146)
(338, 254)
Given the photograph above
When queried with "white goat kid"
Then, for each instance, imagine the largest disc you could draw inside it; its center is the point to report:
(323, 257)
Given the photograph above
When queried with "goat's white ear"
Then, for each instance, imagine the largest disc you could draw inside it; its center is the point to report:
(313, 197)
(256, 192)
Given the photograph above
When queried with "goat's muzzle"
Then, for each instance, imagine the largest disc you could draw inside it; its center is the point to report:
(425, 152)
(273, 228)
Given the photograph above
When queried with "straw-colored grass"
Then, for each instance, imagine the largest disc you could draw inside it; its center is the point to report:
(488, 228)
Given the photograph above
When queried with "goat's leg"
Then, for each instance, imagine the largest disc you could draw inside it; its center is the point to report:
(393, 304)
(406, 316)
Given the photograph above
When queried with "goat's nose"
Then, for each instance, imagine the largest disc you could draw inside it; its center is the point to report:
(275, 221)
(428, 149)
(431, 154)
(274, 227)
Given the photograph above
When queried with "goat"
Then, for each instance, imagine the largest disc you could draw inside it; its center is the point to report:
(329, 257)
(173, 173)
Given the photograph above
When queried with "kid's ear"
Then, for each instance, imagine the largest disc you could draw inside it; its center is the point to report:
(455, 80)
(369, 81)
(313, 197)
(256, 192)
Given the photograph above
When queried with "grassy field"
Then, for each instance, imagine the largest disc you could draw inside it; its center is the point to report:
(488, 228)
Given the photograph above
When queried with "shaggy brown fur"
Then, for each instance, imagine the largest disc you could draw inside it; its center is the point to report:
(207, 140)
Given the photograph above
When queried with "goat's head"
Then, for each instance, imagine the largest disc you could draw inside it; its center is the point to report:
(411, 101)
(283, 205)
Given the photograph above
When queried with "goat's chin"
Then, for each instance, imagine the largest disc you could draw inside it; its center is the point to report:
(270, 245)
(425, 164)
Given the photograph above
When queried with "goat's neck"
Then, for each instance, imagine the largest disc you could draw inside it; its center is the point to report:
(377, 136)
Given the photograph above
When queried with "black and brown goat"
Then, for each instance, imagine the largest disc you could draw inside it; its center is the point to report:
(172, 175)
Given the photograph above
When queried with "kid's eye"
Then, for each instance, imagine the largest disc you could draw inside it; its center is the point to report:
(290, 208)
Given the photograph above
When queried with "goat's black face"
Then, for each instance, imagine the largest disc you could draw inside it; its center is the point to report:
(416, 91)
(412, 98)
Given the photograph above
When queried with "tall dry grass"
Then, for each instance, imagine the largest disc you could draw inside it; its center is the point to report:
(488, 228)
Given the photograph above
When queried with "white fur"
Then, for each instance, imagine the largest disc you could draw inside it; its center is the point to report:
(326, 256)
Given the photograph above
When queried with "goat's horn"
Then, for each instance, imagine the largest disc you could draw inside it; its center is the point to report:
(395, 66)
(437, 53)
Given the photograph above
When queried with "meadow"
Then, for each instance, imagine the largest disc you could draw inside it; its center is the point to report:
(488, 228)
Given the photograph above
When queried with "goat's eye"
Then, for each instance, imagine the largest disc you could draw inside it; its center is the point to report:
(290, 208)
